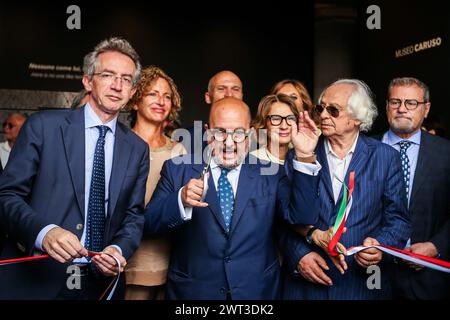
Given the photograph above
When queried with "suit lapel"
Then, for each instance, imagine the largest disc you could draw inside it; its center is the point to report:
(122, 152)
(423, 164)
(246, 185)
(73, 134)
(325, 171)
(211, 197)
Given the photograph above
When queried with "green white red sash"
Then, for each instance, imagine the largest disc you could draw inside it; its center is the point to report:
(344, 209)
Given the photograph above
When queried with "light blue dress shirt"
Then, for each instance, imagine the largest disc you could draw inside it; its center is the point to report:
(91, 120)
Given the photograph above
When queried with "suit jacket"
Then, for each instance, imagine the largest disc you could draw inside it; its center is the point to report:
(206, 261)
(2, 235)
(429, 208)
(378, 211)
(44, 184)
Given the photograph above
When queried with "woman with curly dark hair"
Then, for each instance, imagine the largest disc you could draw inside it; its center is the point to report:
(154, 111)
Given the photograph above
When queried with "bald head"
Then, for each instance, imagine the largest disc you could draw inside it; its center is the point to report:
(12, 126)
(230, 110)
(223, 84)
(230, 117)
(17, 115)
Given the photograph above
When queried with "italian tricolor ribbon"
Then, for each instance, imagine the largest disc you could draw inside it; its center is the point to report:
(346, 204)
(342, 215)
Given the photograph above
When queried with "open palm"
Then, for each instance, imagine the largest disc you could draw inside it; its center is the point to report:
(305, 135)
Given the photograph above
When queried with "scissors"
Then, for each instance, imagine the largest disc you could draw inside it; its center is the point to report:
(205, 174)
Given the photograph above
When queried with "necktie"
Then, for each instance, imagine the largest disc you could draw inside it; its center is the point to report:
(404, 145)
(96, 206)
(226, 197)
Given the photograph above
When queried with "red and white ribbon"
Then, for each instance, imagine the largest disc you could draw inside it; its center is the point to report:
(433, 263)
(112, 284)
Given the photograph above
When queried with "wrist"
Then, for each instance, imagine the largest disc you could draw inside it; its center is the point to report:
(311, 158)
(309, 235)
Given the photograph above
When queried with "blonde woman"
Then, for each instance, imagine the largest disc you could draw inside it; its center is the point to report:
(276, 113)
(296, 91)
(154, 109)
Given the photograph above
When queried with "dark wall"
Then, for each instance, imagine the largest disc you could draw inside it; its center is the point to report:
(190, 43)
(405, 23)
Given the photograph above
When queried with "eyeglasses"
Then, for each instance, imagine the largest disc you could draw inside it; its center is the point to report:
(109, 77)
(331, 109)
(276, 119)
(410, 104)
(238, 135)
(8, 125)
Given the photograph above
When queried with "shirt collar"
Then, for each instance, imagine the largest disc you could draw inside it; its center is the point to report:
(393, 139)
(329, 150)
(5, 145)
(92, 120)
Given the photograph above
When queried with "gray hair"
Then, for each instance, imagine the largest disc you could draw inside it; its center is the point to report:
(112, 44)
(360, 105)
(409, 81)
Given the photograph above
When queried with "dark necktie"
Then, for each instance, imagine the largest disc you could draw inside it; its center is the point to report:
(96, 206)
(226, 197)
(406, 167)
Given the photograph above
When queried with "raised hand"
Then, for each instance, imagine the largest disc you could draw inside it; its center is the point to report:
(305, 136)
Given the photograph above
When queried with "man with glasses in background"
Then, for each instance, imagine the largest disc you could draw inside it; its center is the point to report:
(378, 214)
(76, 183)
(224, 244)
(11, 129)
(426, 170)
(223, 84)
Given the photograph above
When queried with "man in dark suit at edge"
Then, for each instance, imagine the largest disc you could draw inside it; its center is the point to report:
(426, 168)
(76, 182)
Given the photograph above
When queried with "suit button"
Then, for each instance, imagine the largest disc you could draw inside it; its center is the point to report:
(227, 259)
(80, 226)
(223, 291)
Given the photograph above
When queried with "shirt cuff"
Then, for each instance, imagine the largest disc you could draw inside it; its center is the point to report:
(311, 169)
(117, 247)
(185, 212)
(41, 236)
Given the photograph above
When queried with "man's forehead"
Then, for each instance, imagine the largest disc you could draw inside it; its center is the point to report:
(227, 79)
(113, 59)
(415, 89)
(16, 117)
(337, 93)
(230, 120)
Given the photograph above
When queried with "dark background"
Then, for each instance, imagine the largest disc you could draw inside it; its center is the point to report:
(316, 42)
(406, 23)
(190, 43)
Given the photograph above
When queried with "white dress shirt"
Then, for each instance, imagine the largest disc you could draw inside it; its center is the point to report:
(338, 167)
(5, 150)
